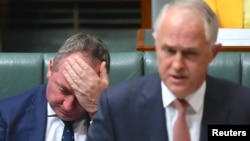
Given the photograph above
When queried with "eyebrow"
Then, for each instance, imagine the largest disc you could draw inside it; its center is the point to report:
(185, 49)
(63, 87)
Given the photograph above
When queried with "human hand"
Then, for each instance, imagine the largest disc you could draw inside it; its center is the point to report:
(85, 82)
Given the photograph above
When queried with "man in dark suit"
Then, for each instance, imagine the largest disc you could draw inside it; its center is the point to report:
(76, 77)
(144, 109)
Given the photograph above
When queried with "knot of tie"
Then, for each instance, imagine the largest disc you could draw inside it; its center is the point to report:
(67, 123)
(181, 105)
(181, 130)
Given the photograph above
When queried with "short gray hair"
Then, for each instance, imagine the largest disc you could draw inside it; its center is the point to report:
(84, 43)
(211, 23)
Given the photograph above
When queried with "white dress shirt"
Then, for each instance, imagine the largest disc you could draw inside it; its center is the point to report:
(55, 126)
(193, 114)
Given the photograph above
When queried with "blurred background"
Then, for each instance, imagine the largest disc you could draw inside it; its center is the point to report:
(43, 25)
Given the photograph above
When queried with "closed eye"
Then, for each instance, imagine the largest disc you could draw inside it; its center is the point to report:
(63, 90)
(169, 50)
(190, 53)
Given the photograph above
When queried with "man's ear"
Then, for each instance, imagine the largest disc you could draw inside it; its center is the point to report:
(154, 34)
(216, 49)
(50, 68)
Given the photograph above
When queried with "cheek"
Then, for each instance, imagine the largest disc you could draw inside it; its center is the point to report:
(53, 95)
(163, 61)
(163, 67)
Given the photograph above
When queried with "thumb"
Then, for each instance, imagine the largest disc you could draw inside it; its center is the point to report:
(104, 74)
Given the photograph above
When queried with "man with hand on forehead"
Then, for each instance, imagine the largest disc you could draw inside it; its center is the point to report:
(76, 77)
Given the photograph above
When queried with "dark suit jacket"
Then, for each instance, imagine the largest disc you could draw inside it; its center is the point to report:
(133, 111)
(23, 117)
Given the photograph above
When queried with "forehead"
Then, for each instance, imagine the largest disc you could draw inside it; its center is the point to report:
(182, 18)
(181, 25)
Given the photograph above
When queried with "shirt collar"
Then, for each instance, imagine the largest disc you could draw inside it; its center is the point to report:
(195, 99)
(50, 111)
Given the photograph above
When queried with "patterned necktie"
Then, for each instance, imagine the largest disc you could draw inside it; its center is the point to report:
(68, 132)
(181, 131)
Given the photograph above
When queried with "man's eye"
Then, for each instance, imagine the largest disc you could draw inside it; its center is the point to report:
(190, 53)
(169, 50)
(64, 91)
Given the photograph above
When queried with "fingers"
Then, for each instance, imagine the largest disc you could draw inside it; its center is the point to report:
(72, 77)
(85, 82)
(74, 64)
(88, 104)
(81, 66)
(79, 74)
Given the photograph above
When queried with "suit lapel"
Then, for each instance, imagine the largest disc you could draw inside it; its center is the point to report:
(153, 111)
(212, 106)
(36, 117)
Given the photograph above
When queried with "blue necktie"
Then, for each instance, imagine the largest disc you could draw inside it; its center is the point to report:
(68, 132)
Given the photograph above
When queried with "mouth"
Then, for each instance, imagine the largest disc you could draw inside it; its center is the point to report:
(178, 78)
(63, 112)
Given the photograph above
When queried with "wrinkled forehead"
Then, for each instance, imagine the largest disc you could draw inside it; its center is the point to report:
(180, 21)
(177, 14)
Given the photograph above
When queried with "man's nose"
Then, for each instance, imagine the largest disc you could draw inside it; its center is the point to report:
(178, 61)
(69, 102)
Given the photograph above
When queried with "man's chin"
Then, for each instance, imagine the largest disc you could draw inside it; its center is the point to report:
(179, 91)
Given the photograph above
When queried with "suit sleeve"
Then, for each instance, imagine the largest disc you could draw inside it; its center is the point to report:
(101, 128)
(2, 129)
